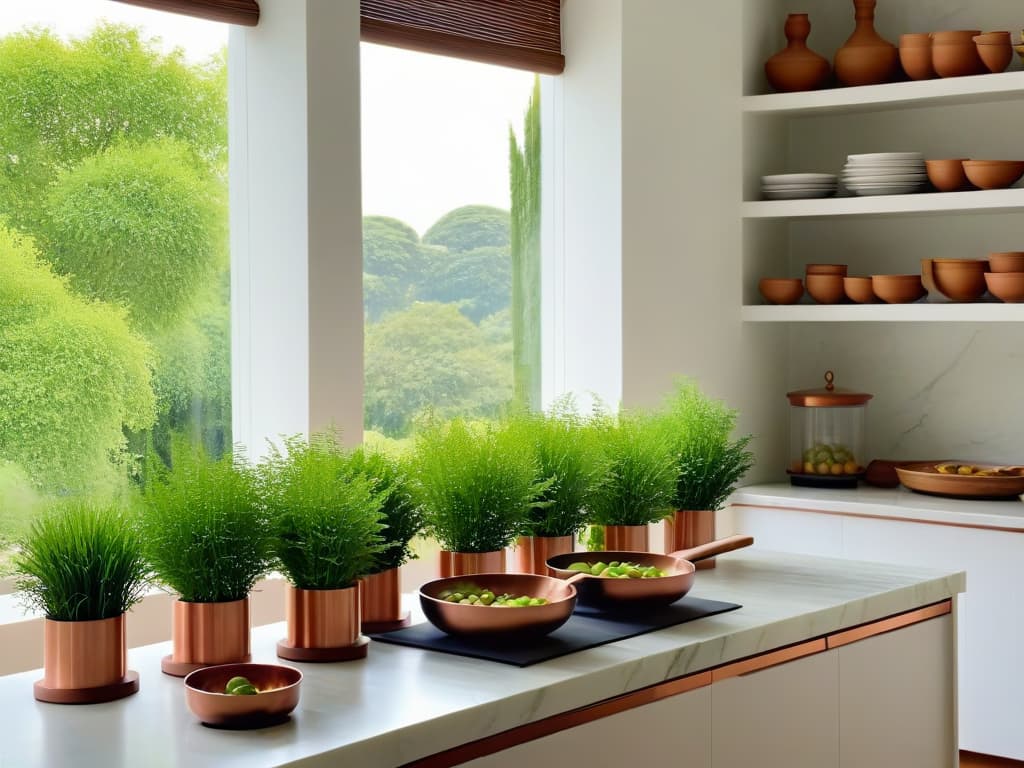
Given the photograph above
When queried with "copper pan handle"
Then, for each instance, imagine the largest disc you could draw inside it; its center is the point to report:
(579, 577)
(712, 548)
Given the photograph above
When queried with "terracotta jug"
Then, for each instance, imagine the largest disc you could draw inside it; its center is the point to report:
(866, 58)
(797, 67)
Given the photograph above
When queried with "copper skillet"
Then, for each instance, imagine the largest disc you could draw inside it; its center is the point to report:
(621, 595)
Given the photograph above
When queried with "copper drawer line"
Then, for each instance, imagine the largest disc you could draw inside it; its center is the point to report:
(893, 518)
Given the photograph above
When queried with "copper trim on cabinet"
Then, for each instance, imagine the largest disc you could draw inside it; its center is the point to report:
(882, 626)
(770, 659)
(915, 520)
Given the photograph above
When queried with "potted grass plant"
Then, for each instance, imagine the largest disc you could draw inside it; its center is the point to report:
(638, 481)
(82, 566)
(327, 525)
(568, 463)
(709, 463)
(476, 484)
(207, 538)
(380, 599)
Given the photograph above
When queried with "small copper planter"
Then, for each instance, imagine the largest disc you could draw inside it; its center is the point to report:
(323, 625)
(84, 662)
(532, 552)
(626, 538)
(380, 602)
(205, 634)
(466, 563)
(688, 528)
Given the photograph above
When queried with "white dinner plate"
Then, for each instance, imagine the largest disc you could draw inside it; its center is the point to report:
(798, 178)
(809, 194)
(868, 191)
(885, 157)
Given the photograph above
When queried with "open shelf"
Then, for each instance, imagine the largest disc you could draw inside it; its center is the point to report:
(919, 312)
(978, 201)
(874, 98)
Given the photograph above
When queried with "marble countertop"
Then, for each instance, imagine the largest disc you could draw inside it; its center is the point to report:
(401, 704)
(885, 502)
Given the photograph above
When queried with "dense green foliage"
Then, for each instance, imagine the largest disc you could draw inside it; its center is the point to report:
(81, 563)
(326, 517)
(72, 372)
(478, 281)
(394, 264)
(476, 483)
(697, 430)
(206, 532)
(469, 227)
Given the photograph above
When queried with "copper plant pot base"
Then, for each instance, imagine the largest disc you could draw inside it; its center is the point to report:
(182, 668)
(632, 538)
(119, 690)
(341, 653)
(532, 552)
(376, 627)
(689, 528)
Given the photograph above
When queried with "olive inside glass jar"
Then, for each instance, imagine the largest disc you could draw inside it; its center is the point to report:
(827, 428)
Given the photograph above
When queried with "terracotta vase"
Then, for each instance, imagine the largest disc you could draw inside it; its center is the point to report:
(380, 602)
(323, 625)
(866, 58)
(467, 563)
(796, 67)
(688, 528)
(205, 634)
(532, 552)
(626, 538)
(84, 662)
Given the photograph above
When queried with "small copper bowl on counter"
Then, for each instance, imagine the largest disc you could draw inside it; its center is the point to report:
(278, 695)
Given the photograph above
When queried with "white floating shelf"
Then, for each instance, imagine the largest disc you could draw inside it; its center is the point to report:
(919, 312)
(1005, 86)
(979, 201)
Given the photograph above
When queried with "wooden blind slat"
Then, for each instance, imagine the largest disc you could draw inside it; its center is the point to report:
(525, 34)
(244, 12)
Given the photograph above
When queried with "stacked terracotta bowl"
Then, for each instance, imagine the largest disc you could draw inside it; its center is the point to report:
(1005, 281)
(958, 174)
(954, 53)
(825, 282)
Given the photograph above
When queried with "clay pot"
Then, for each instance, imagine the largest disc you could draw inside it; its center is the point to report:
(205, 634)
(994, 174)
(866, 58)
(928, 275)
(826, 269)
(532, 552)
(466, 563)
(781, 290)
(84, 662)
(626, 538)
(797, 67)
(858, 289)
(959, 279)
(992, 38)
(916, 56)
(956, 57)
(688, 528)
(955, 36)
(947, 175)
(826, 289)
(1006, 286)
(323, 625)
(897, 289)
(1008, 261)
(380, 602)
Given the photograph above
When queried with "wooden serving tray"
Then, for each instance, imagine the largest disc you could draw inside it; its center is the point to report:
(924, 478)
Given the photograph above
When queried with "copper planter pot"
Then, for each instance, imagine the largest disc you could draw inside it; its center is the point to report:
(466, 563)
(627, 538)
(687, 529)
(323, 625)
(380, 602)
(532, 552)
(84, 662)
(205, 634)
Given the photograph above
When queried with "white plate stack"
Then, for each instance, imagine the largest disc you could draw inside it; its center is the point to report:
(797, 186)
(885, 173)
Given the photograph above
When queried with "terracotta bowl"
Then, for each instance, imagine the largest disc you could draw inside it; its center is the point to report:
(826, 289)
(947, 175)
(781, 290)
(992, 38)
(957, 59)
(959, 279)
(278, 696)
(826, 269)
(897, 289)
(859, 289)
(1008, 261)
(916, 61)
(955, 35)
(1006, 286)
(994, 174)
(995, 56)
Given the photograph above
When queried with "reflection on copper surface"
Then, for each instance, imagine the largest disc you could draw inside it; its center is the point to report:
(323, 618)
(380, 597)
(688, 528)
(278, 695)
(765, 660)
(83, 654)
(631, 538)
(463, 563)
(532, 552)
(210, 633)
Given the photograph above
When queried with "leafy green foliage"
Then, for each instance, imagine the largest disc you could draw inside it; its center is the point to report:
(326, 514)
(638, 485)
(206, 533)
(469, 227)
(697, 430)
(72, 375)
(479, 280)
(477, 484)
(393, 263)
(81, 563)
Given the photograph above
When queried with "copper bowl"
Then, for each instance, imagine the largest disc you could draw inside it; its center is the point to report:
(502, 624)
(994, 174)
(959, 279)
(898, 289)
(1007, 261)
(826, 289)
(1006, 286)
(859, 289)
(781, 290)
(279, 695)
(947, 175)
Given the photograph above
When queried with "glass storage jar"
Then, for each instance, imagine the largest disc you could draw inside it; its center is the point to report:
(826, 436)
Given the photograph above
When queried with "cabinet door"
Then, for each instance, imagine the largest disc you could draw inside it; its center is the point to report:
(786, 715)
(674, 731)
(897, 696)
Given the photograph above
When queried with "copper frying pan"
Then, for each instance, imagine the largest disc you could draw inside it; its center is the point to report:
(631, 594)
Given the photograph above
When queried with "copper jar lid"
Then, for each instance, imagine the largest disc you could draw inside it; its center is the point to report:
(828, 396)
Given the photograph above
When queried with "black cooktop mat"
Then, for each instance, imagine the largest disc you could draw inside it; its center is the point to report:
(583, 630)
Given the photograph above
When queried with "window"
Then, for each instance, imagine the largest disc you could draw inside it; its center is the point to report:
(114, 284)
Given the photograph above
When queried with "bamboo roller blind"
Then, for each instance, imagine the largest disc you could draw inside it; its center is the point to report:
(245, 12)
